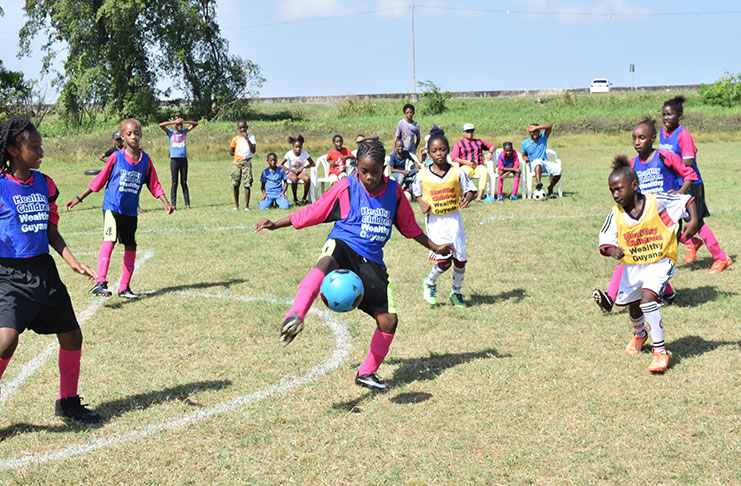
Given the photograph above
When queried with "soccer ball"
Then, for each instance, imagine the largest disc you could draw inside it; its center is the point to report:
(341, 290)
(539, 195)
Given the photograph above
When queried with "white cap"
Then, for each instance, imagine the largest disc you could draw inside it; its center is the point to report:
(468, 126)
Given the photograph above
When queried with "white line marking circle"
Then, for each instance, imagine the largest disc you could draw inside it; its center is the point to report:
(338, 355)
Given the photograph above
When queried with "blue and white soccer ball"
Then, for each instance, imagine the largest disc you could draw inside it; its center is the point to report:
(342, 290)
(539, 195)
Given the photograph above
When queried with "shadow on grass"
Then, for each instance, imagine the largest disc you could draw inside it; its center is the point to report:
(515, 294)
(177, 288)
(116, 408)
(698, 295)
(691, 346)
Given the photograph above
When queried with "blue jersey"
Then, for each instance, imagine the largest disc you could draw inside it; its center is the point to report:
(177, 143)
(125, 184)
(273, 181)
(537, 149)
(367, 227)
(671, 143)
(654, 176)
(24, 217)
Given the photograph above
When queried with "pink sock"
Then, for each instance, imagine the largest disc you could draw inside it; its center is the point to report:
(308, 289)
(3, 365)
(707, 235)
(128, 269)
(379, 348)
(500, 185)
(104, 259)
(69, 372)
(515, 185)
(617, 276)
(689, 241)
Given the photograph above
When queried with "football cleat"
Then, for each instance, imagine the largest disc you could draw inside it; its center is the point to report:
(692, 252)
(636, 344)
(292, 325)
(603, 300)
(659, 363)
(101, 289)
(128, 294)
(71, 408)
(430, 293)
(457, 299)
(720, 265)
(371, 382)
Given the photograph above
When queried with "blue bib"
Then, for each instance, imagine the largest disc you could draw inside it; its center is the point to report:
(654, 176)
(24, 217)
(671, 143)
(125, 184)
(367, 227)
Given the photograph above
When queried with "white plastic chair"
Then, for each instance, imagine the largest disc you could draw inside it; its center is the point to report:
(494, 173)
(553, 158)
(312, 181)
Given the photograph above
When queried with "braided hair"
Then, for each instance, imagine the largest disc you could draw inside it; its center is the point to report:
(676, 103)
(621, 167)
(372, 149)
(649, 122)
(10, 132)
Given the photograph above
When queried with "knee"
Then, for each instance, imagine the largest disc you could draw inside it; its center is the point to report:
(444, 265)
(70, 341)
(8, 342)
(387, 323)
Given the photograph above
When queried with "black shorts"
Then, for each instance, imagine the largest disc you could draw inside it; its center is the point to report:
(119, 228)
(698, 192)
(32, 296)
(378, 292)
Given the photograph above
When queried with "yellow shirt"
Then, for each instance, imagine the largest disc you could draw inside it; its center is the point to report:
(441, 193)
(647, 241)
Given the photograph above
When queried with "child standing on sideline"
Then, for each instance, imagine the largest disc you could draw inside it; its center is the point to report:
(441, 189)
(407, 130)
(118, 144)
(178, 157)
(676, 138)
(365, 199)
(242, 148)
(273, 185)
(296, 161)
(640, 232)
(508, 163)
(658, 171)
(31, 292)
(338, 159)
(123, 177)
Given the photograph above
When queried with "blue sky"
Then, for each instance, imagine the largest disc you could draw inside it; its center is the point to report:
(320, 47)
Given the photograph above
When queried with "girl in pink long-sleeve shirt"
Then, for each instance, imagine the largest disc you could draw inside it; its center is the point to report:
(124, 175)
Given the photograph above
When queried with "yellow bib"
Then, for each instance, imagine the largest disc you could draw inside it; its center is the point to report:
(441, 193)
(647, 241)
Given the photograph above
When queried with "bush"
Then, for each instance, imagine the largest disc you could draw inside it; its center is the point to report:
(724, 92)
(434, 98)
(350, 108)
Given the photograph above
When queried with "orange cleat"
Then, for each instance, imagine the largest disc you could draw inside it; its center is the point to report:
(659, 363)
(692, 252)
(636, 344)
(720, 265)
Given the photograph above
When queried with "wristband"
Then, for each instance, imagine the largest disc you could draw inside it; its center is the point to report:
(79, 199)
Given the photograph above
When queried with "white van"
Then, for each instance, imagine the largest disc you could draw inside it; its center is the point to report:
(599, 85)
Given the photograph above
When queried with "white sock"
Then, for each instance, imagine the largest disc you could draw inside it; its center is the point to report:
(655, 325)
(434, 274)
(639, 329)
(458, 274)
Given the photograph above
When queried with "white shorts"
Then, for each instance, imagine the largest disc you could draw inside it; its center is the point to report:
(447, 228)
(649, 276)
(549, 168)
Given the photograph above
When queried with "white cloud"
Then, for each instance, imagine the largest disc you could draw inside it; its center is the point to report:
(307, 9)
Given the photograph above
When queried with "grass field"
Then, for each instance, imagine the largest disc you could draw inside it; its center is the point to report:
(528, 385)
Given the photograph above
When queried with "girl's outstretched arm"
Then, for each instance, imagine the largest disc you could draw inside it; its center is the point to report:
(423, 240)
(270, 225)
(57, 242)
(166, 203)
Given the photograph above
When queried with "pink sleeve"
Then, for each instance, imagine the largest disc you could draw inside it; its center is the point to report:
(686, 144)
(673, 161)
(154, 184)
(489, 146)
(500, 164)
(333, 205)
(53, 195)
(456, 151)
(102, 178)
(517, 160)
(404, 219)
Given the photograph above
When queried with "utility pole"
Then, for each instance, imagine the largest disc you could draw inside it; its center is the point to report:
(414, 68)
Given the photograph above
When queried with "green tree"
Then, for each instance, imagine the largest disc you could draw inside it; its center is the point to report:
(434, 97)
(14, 93)
(724, 92)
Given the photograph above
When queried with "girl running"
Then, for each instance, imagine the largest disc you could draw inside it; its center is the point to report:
(640, 232)
(365, 206)
(295, 161)
(659, 171)
(123, 177)
(676, 138)
(32, 296)
(441, 189)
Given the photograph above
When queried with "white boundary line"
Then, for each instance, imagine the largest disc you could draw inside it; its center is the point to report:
(9, 388)
(171, 230)
(338, 355)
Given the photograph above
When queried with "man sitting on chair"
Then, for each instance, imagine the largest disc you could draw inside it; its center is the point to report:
(469, 153)
(534, 153)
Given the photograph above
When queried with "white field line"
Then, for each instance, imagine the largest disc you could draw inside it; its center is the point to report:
(9, 388)
(339, 353)
(171, 230)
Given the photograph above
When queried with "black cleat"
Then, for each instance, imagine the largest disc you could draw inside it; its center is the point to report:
(371, 381)
(667, 299)
(291, 327)
(101, 289)
(603, 300)
(538, 186)
(128, 294)
(71, 408)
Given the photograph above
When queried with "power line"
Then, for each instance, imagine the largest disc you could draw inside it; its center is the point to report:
(317, 19)
(582, 14)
